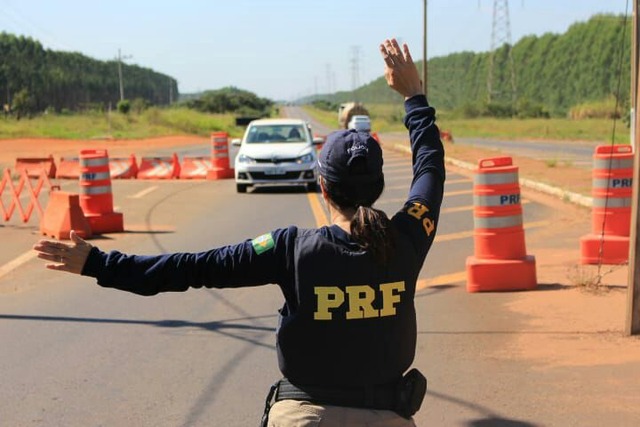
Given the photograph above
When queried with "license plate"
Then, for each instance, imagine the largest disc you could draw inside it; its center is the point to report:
(274, 171)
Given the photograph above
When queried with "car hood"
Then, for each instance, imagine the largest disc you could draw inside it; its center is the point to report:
(278, 151)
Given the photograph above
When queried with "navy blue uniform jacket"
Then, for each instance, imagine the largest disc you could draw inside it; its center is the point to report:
(346, 321)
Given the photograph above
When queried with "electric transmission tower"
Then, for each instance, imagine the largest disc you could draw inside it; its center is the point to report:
(501, 35)
(355, 68)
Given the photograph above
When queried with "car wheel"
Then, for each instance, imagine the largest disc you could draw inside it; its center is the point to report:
(241, 188)
(312, 187)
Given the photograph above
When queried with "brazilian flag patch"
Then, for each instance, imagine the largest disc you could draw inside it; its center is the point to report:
(263, 243)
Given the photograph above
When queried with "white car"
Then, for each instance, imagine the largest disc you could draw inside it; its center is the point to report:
(277, 152)
(360, 123)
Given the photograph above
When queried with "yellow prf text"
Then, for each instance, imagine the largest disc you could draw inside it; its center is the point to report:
(359, 300)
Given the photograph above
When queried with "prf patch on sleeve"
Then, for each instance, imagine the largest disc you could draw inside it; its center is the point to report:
(263, 243)
(421, 213)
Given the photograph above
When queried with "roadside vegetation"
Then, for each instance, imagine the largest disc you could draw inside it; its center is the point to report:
(152, 122)
(388, 118)
(571, 86)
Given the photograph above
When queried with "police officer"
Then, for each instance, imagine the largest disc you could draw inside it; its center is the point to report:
(347, 334)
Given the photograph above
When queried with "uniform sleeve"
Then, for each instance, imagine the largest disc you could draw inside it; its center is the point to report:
(419, 216)
(260, 261)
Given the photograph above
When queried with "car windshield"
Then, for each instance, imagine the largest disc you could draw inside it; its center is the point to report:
(276, 133)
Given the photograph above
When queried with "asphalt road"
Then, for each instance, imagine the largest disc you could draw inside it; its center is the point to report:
(74, 354)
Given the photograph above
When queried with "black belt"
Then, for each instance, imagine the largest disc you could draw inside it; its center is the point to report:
(381, 397)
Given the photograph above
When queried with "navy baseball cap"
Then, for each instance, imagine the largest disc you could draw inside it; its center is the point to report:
(341, 149)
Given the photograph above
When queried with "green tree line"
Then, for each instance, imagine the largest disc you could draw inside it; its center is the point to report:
(553, 73)
(230, 100)
(40, 79)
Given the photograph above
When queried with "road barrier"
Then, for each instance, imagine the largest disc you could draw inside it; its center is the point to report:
(220, 163)
(15, 191)
(612, 176)
(500, 261)
(96, 198)
(123, 167)
(63, 214)
(159, 167)
(446, 136)
(68, 168)
(33, 165)
(195, 167)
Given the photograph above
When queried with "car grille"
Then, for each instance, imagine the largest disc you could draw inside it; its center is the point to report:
(286, 175)
(275, 161)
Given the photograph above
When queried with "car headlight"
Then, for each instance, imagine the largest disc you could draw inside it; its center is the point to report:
(244, 159)
(307, 158)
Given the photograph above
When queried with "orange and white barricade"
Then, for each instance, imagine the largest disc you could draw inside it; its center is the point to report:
(68, 168)
(195, 167)
(96, 198)
(220, 161)
(123, 167)
(23, 189)
(500, 261)
(612, 176)
(33, 165)
(159, 167)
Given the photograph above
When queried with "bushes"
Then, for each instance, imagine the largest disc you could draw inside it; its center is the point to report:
(604, 109)
(124, 106)
(524, 109)
(231, 100)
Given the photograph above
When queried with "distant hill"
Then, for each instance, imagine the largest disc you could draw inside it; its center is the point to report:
(41, 78)
(556, 71)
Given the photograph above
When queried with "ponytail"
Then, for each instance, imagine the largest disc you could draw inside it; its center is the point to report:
(370, 228)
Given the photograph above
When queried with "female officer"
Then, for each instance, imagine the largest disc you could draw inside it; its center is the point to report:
(346, 334)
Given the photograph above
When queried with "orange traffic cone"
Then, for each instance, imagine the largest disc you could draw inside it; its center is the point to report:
(500, 261)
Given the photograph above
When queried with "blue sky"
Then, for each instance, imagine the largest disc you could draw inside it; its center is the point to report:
(281, 49)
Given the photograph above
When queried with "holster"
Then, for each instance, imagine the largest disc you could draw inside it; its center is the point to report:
(410, 393)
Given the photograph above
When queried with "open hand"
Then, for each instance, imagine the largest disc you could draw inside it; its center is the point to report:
(400, 71)
(64, 257)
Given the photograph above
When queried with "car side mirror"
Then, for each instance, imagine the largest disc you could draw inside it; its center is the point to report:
(236, 142)
(318, 140)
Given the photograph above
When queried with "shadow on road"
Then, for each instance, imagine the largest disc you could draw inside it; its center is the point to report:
(219, 326)
(498, 422)
(490, 419)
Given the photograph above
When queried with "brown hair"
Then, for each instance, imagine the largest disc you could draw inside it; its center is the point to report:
(370, 228)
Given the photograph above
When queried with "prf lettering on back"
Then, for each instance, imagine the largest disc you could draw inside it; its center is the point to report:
(418, 211)
(359, 299)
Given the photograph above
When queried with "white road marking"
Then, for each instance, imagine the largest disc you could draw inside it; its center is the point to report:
(143, 193)
(17, 262)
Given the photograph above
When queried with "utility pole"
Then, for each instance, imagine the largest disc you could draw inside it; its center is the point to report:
(424, 49)
(632, 325)
(120, 58)
(170, 91)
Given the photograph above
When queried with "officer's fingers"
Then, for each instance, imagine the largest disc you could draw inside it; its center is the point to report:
(47, 247)
(407, 54)
(77, 239)
(56, 267)
(389, 46)
(385, 55)
(50, 257)
(396, 49)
